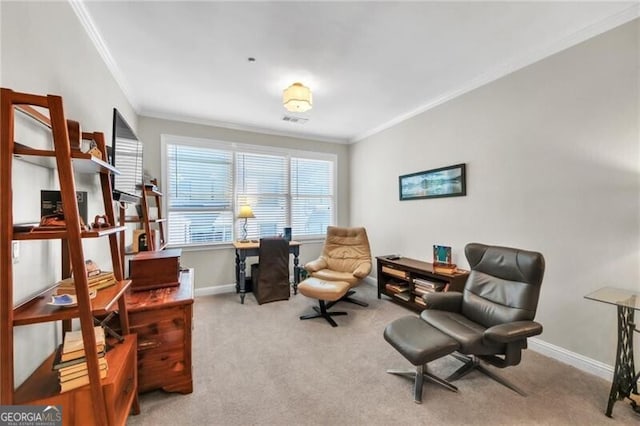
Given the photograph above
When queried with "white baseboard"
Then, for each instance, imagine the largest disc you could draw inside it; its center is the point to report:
(215, 289)
(578, 361)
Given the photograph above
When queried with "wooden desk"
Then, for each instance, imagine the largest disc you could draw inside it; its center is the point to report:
(162, 320)
(243, 250)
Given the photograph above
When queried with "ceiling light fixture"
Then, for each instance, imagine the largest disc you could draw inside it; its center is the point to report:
(297, 98)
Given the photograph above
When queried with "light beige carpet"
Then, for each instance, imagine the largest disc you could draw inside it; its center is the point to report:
(260, 365)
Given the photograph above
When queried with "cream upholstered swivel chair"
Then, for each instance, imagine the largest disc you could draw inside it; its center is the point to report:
(346, 256)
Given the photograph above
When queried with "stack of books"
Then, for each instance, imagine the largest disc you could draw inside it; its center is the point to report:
(71, 361)
(98, 281)
(422, 286)
(400, 290)
(394, 272)
(445, 268)
(396, 287)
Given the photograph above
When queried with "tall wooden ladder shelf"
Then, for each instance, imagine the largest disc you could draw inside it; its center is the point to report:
(102, 402)
(152, 197)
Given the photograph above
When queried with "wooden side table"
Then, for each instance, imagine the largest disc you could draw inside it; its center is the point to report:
(162, 319)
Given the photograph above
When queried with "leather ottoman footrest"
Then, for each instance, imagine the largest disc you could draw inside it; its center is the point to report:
(323, 290)
(418, 341)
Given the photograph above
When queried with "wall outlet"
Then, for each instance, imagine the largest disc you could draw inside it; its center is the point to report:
(15, 251)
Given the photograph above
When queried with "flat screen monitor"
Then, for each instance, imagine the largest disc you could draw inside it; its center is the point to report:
(126, 156)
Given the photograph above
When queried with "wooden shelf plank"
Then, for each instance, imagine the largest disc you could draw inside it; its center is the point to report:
(82, 162)
(151, 191)
(36, 310)
(55, 235)
(43, 383)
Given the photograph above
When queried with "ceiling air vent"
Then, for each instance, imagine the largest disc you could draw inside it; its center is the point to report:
(293, 119)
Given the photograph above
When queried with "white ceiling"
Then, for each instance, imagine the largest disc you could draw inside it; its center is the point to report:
(369, 64)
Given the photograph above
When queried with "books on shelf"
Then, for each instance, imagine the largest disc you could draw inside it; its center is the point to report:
(406, 296)
(79, 381)
(428, 285)
(420, 301)
(77, 363)
(420, 291)
(102, 280)
(75, 371)
(71, 363)
(397, 287)
(73, 346)
(445, 268)
(394, 272)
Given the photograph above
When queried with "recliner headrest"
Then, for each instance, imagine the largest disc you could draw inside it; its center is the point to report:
(506, 262)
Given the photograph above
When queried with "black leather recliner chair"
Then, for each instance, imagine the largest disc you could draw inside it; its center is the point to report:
(493, 317)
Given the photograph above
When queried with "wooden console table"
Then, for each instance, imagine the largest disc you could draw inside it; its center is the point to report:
(162, 319)
(402, 280)
(250, 248)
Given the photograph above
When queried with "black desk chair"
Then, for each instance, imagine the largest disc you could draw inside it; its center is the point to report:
(270, 277)
(493, 317)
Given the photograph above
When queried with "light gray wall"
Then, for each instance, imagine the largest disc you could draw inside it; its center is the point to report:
(215, 267)
(45, 50)
(552, 165)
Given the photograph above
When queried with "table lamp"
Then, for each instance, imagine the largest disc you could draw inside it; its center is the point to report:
(245, 213)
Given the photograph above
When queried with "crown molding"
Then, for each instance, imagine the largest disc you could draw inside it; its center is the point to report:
(93, 33)
(240, 127)
(515, 64)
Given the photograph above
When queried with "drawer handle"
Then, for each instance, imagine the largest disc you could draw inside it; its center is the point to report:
(147, 344)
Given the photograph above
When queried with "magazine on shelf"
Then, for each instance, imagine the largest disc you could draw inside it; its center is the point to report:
(397, 287)
(403, 296)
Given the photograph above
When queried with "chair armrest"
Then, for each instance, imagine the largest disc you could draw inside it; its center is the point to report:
(316, 265)
(450, 301)
(512, 331)
(362, 270)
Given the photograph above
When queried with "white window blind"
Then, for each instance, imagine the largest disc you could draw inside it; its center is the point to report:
(199, 195)
(262, 183)
(311, 196)
(207, 186)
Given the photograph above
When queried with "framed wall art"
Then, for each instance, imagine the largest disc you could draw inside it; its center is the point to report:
(447, 181)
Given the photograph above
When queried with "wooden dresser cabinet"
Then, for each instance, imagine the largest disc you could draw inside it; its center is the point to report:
(162, 319)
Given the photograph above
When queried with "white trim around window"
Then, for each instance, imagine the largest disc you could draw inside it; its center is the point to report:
(284, 187)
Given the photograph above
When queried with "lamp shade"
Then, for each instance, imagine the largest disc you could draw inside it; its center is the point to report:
(297, 98)
(245, 212)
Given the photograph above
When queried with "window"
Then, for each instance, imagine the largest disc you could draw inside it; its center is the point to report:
(208, 181)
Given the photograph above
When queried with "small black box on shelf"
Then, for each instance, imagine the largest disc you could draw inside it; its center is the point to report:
(51, 203)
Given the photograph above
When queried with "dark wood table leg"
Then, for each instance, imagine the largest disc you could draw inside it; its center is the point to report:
(242, 258)
(623, 376)
(237, 271)
(296, 269)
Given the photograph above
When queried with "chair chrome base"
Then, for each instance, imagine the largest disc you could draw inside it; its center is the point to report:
(472, 363)
(322, 312)
(418, 375)
(347, 298)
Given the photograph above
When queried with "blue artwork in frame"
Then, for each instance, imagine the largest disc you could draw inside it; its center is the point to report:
(447, 181)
